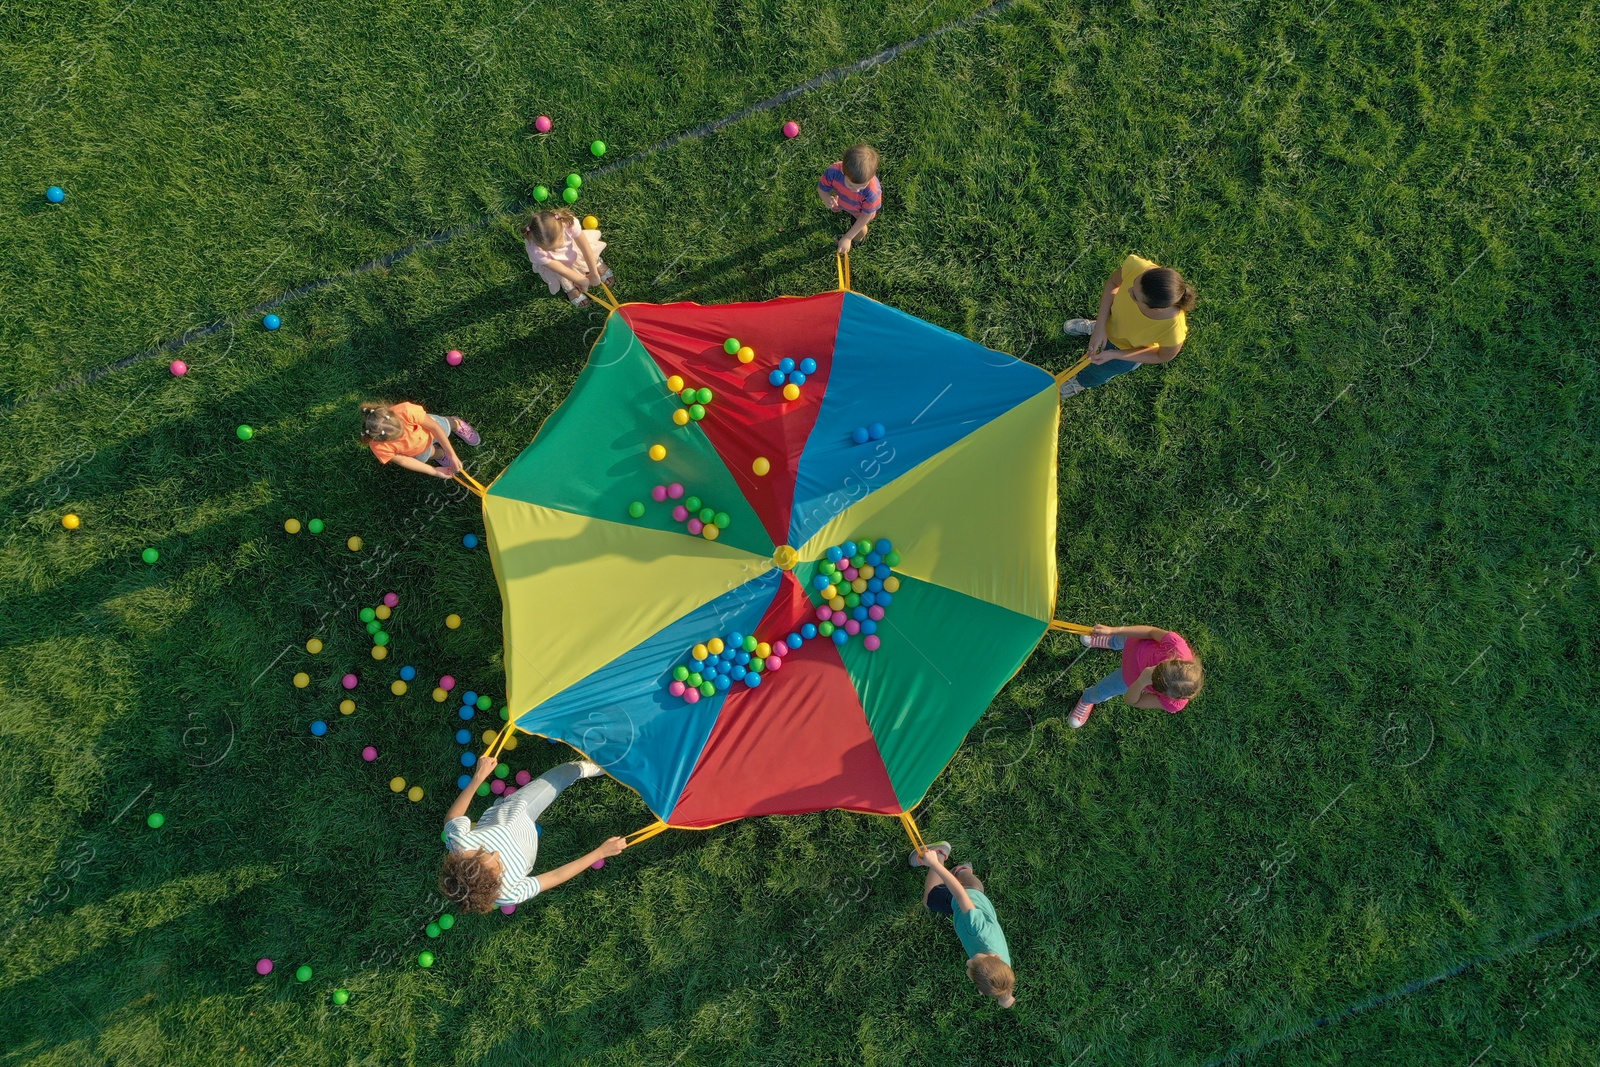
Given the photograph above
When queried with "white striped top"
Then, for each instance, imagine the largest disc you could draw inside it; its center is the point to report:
(506, 828)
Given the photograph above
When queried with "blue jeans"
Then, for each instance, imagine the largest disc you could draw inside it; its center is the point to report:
(444, 424)
(1112, 684)
(1101, 373)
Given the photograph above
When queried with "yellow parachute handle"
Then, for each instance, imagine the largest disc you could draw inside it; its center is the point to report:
(499, 741)
(470, 482)
(843, 265)
(1066, 376)
(647, 833)
(910, 823)
(1070, 627)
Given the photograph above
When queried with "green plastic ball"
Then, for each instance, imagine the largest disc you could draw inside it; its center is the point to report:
(827, 567)
(707, 689)
(691, 503)
(636, 509)
(757, 664)
(425, 959)
(380, 638)
(688, 396)
(574, 181)
(697, 412)
(863, 546)
(679, 673)
(892, 559)
(707, 515)
(852, 599)
(446, 921)
(721, 519)
(502, 770)
(302, 973)
(484, 703)
(598, 148)
(703, 395)
(315, 526)
(732, 346)
(825, 629)
(858, 562)
(341, 996)
(368, 615)
(749, 644)
(245, 433)
(149, 555)
(541, 193)
(373, 626)
(155, 820)
(505, 713)
(694, 679)
(432, 930)
(483, 789)
(570, 195)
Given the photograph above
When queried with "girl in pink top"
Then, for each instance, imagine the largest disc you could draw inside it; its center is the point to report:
(1159, 670)
(566, 255)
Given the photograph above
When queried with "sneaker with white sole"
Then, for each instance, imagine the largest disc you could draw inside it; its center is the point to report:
(1071, 387)
(1078, 327)
(1095, 640)
(1080, 714)
(941, 847)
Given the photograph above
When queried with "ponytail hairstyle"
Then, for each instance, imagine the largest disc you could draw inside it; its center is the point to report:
(548, 229)
(1163, 287)
(1180, 679)
(378, 421)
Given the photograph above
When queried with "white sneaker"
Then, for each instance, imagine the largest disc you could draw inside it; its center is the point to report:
(1071, 387)
(589, 770)
(1078, 327)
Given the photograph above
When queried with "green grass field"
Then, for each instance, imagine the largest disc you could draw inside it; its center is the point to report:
(1366, 491)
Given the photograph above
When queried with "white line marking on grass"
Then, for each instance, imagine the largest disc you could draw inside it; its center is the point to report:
(130, 804)
(269, 266)
(271, 665)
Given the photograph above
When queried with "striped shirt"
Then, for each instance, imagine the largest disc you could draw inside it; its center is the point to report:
(506, 828)
(856, 201)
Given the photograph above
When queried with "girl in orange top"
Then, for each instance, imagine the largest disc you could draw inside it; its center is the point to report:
(406, 434)
(1142, 319)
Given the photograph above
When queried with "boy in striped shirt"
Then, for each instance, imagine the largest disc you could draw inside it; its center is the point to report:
(491, 864)
(852, 185)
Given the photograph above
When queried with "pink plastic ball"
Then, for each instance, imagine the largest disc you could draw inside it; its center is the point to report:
(178, 368)
(523, 777)
(597, 864)
(774, 663)
(680, 513)
(791, 130)
(263, 966)
(497, 786)
(508, 909)
(509, 790)
(875, 613)
(447, 683)
(659, 494)
(676, 689)
(691, 696)
(351, 681)
(695, 526)
(824, 613)
(675, 490)
(542, 124)
(852, 627)
(369, 753)
(871, 642)
(453, 357)
(851, 574)
(391, 600)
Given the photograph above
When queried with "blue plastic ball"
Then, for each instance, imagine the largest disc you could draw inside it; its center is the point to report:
(722, 666)
(820, 581)
(870, 597)
(741, 657)
(55, 194)
(468, 758)
(858, 613)
(885, 599)
(786, 364)
(869, 627)
(873, 559)
(464, 781)
(808, 631)
(470, 540)
(463, 736)
(271, 322)
(468, 711)
(736, 673)
(319, 728)
(407, 673)
(834, 555)
(733, 640)
(840, 637)
(469, 697)
(697, 666)
(794, 640)
(876, 431)
(874, 585)
(776, 377)
(883, 547)
(752, 680)
(860, 435)
(722, 683)
(808, 366)
(728, 654)
(797, 378)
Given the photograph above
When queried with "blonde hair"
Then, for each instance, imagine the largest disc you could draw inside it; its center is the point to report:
(378, 421)
(1180, 679)
(992, 975)
(548, 229)
(861, 163)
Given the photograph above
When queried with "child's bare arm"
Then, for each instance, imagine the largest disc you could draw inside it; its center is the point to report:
(1152, 633)
(480, 774)
(568, 871)
(958, 892)
(411, 463)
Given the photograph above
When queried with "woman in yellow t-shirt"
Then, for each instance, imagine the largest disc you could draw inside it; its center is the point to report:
(1142, 320)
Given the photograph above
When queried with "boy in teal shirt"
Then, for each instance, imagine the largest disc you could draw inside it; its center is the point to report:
(960, 895)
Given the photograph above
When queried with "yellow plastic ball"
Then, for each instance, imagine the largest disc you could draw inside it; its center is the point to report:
(313, 646)
(71, 521)
(747, 354)
(658, 452)
(302, 680)
(859, 585)
(700, 651)
(836, 603)
(763, 649)
(711, 531)
(867, 571)
(675, 383)
(380, 652)
(347, 706)
(489, 736)
(681, 416)
(382, 611)
(397, 784)
(414, 794)
(791, 392)
(354, 544)
(511, 743)
(439, 695)
(829, 591)
(891, 584)
(591, 223)
(715, 646)
(398, 687)
(761, 466)
(452, 621)
(292, 525)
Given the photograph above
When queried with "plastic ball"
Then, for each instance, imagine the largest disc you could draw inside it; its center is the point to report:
(350, 681)
(369, 754)
(503, 771)
(636, 509)
(463, 736)
(432, 930)
(721, 520)
(318, 728)
(302, 973)
(397, 784)
(271, 322)
(721, 682)
(835, 555)
(807, 632)
(715, 646)
(244, 433)
(737, 671)
(868, 626)
(468, 758)
(694, 679)
(701, 651)
(55, 194)
(380, 639)
(675, 491)
(597, 148)
(341, 996)
(761, 466)
(752, 679)
(446, 921)
(425, 959)
(347, 706)
(860, 435)
(840, 636)
(574, 181)
(72, 522)
(871, 642)
(824, 628)
(541, 193)
(732, 346)
(675, 383)
(373, 626)
(891, 584)
(777, 377)
(466, 712)
(794, 640)
(695, 526)
(658, 453)
(659, 494)
(452, 621)
(691, 696)
(542, 123)
(302, 680)
(178, 368)
(746, 354)
(892, 558)
(774, 663)
(453, 357)
(508, 909)
(791, 392)
(704, 395)
(414, 794)
(757, 664)
(791, 129)
(875, 613)
(155, 820)
(408, 673)
(707, 515)
(876, 431)
(797, 379)
(680, 513)
(591, 223)
(711, 531)
(884, 600)
(697, 412)
(863, 546)
(681, 417)
(447, 683)
(786, 364)
(808, 366)
(570, 195)
(676, 689)
(263, 966)
(851, 627)
(354, 544)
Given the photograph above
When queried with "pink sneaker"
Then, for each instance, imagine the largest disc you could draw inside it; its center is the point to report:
(1080, 714)
(1093, 641)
